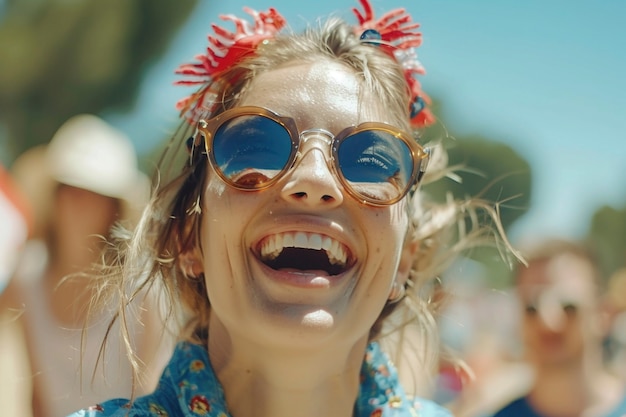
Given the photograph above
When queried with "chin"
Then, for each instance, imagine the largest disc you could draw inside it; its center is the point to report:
(306, 327)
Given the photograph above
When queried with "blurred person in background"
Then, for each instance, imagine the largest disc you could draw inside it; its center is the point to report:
(563, 325)
(15, 226)
(80, 184)
(616, 300)
(15, 223)
(478, 324)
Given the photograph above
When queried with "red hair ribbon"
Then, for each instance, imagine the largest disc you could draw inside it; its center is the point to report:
(394, 33)
(225, 49)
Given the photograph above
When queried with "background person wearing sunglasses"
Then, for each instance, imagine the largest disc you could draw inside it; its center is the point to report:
(293, 245)
(563, 325)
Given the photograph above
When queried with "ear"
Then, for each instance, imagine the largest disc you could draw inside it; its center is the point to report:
(190, 262)
(406, 261)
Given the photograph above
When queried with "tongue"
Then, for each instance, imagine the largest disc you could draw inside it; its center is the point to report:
(315, 272)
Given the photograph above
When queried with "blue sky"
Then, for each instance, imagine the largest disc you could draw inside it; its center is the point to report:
(547, 78)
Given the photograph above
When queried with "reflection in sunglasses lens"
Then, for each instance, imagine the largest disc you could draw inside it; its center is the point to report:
(251, 150)
(376, 164)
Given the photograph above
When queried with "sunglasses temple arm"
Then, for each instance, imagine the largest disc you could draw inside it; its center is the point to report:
(198, 137)
(423, 165)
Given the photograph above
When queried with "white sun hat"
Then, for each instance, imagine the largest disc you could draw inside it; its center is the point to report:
(88, 153)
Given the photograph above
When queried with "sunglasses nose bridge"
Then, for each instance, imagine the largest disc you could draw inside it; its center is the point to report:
(315, 139)
(315, 152)
(316, 134)
(312, 177)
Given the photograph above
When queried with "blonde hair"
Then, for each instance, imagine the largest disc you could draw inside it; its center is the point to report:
(171, 222)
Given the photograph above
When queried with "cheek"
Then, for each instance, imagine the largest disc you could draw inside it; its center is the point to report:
(588, 326)
(215, 221)
(395, 221)
(399, 214)
(226, 213)
(219, 204)
(215, 188)
(526, 328)
(387, 230)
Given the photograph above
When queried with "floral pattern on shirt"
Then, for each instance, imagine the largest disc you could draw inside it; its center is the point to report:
(189, 388)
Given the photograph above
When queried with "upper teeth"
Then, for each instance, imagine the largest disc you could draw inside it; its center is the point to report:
(274, 244)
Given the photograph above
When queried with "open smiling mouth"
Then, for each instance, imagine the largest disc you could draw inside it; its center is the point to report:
(300, 251)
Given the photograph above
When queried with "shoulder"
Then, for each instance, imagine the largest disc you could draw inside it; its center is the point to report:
(382, 394)
(155, 404)
(112, 408)
(159, 403)
(186, 383)
(517, 407)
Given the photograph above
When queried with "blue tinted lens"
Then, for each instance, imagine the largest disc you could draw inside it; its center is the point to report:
(376, 164)
(251, 150)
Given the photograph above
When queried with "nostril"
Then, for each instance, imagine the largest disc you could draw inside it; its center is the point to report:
(301, 195)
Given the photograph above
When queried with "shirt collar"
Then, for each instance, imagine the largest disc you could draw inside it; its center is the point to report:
(200, 392)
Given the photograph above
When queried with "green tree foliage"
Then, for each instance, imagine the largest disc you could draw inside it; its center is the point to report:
(60, 58)
(489, 170)
(607, 234)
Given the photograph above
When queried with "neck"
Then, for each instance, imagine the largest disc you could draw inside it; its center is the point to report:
(68, 294)
(267, 382)
(71, 254)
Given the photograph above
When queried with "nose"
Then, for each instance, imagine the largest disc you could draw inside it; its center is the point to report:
(551, 314)
(311, 180)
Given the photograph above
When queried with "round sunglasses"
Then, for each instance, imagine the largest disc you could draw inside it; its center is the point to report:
(251, 148)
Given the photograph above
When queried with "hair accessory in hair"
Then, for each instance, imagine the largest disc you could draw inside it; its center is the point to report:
(225, 49)
(371, 36)
(395, 33)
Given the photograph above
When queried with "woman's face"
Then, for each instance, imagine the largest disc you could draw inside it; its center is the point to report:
(307, 295)
(81, 217)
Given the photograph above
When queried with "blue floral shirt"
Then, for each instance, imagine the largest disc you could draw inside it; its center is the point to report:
(189, 388)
